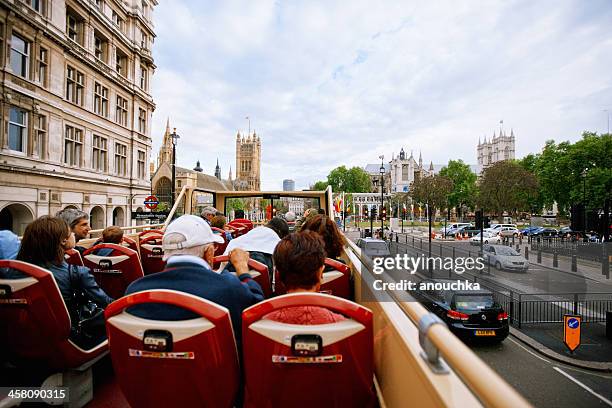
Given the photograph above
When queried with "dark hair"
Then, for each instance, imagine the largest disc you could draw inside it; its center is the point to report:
(298, 258)
(112, 235)
(324, 226)
(321, 211)
(239, 214)
(41, 243)
(218, 221)
(279, 226)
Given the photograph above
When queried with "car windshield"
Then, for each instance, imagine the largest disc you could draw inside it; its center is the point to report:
(473, 302)
(508, 251)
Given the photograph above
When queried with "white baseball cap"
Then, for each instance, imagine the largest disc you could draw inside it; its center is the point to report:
(195, 230)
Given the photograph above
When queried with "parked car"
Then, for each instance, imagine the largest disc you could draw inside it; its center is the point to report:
(497, 227)
(373, 248)
(489, 238)
(505, 257)
(450, 228)
(509, 232)
(468, 314)
(545, 232)
(528, 230)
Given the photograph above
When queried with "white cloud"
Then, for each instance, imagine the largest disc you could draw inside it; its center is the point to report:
(331, 83)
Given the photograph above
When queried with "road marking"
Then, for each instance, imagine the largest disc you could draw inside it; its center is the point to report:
(529, 351)
(601, 397)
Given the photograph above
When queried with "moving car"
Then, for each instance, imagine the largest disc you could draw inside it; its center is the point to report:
(509, 232)
(489, 238)
(497, 227)
(452, 227)
(505, 257)
(469, 314)
(373, 247)
(544, 232)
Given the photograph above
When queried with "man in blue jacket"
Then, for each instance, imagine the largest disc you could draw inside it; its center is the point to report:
(188, 245)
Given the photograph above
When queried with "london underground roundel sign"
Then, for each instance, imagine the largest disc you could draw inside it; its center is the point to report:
(151, 202)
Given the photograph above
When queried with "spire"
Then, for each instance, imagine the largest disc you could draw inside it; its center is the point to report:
(238, 135)
(218, 170)
(411, 156)
(431, 168)
(512, 133)
(478, 140)
(168, 125)
(230, 174)
(493, 134)
(197, 167)
(420, 159)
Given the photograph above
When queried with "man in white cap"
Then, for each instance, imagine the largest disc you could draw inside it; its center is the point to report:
(188, 245)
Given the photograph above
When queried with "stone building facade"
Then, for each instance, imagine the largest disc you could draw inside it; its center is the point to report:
(75, 108)
(248, 162)
(500, 147)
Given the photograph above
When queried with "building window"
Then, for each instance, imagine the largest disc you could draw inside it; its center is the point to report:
(40, 140)
(118, 21)
(120, 159)
(18, 125)
(73, 146)
(121, 63)
(144, 40)
(74, 85)
(145, 10)
(121, 111)
(144, 80)
(100, 47)
(20, 56)
(100, 153)
(99, 4)
(74, 27)
(141, 164)
(100, 99)
(142, 120)
(43, 65)
(37, 5)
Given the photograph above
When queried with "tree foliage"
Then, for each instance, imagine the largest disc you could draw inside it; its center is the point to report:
(464, 183)
(506, 186)
(432, 190)
(353, 180)
(319, 186)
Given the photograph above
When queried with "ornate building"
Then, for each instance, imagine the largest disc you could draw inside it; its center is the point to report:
(500, 147)
(400, 172)
(76, 109)
(248, 162)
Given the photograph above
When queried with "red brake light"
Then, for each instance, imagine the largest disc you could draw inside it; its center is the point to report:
(502, 316)
(453, 314)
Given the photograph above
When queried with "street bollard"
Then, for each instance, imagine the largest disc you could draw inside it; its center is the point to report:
(574, 263)
(453, 254)
(605, 261)
(396, 239)
(513, 240)
(555, 260)
(421, 243)
(539, 256)
(527, 253)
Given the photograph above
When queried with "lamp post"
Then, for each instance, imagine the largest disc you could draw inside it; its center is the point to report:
(382, 197)
(584, 207)
(175, 139)
(608, 117)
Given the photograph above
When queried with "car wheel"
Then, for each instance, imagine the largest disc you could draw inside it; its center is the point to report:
(515, 235)
(498, 266)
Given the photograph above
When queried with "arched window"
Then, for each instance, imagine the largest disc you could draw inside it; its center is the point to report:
(163, 190)
(15, 217)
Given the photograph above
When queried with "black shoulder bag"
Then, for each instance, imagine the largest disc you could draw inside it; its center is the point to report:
(86, 316)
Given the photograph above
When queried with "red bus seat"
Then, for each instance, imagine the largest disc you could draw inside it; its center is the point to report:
(37, 320)
(151, 254)
(115, 272)
(220, 248)
(336, 282)
(186, 363)
(129, 243)
(143, 234)
(73, 257)
(326, 365)
(259, 272)
(242, 221)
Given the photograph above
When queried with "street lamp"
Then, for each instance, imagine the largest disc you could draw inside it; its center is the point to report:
(382, 192)
(584, 208)
(608, 117)
(175, 139)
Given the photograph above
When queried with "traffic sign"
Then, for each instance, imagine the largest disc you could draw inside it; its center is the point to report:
(151, 202)
(571, 331)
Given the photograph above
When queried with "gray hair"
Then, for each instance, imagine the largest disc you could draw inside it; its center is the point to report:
(72, 216)
(209, 211)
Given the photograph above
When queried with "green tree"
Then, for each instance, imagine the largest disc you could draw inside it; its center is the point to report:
(353, 180)
(464, 184)
(432, 190)
(506, 186)
(319, 186)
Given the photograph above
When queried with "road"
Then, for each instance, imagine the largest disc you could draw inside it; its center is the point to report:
(543, 382)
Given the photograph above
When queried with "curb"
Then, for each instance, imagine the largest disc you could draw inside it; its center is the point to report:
(553, 355)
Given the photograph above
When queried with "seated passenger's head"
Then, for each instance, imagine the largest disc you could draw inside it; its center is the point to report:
(239, 214)
(299, 259)
(77, 220)
(9, 244)
(190, 235)
(279, 226)
(329, 231)
(112, 235)
(45, 241)
(218, 221)
(208, 213)
(321, 211)
(290, 216)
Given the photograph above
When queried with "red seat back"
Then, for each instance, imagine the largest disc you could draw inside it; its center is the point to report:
(220, 248)
(73, 257)
(143, 234)
(129, 243)
(151, 254)
(342, 373)
(34, 320)
(198, 367)
(336, 282)
(258, 271)
(114, 272)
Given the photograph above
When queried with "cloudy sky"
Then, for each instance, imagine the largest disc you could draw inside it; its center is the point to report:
(330, 83)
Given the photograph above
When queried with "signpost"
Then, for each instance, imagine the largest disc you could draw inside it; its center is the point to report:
(151, 202)
(571, 331)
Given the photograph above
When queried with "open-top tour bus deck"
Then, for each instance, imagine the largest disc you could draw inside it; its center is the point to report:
(415, 360)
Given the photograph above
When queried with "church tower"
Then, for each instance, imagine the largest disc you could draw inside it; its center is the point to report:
(218, 170)
(165, 151)
(248, 162)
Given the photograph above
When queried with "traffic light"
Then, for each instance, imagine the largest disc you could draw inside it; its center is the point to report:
(478, 219)
(384, 214)
(373, 212)
(487, 222)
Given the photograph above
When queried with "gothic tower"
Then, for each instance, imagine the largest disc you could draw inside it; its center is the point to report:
(165, 151)
(218, 170)
(248, 162)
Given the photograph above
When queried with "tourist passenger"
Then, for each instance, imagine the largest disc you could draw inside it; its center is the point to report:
(299, 259)
(208, 213)
(188, 245)
(44, 243)
(79, 224)
(219, 221)
(328, 230)
(9, 245)
(110, 235)
(239, 218)
(310, 212)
